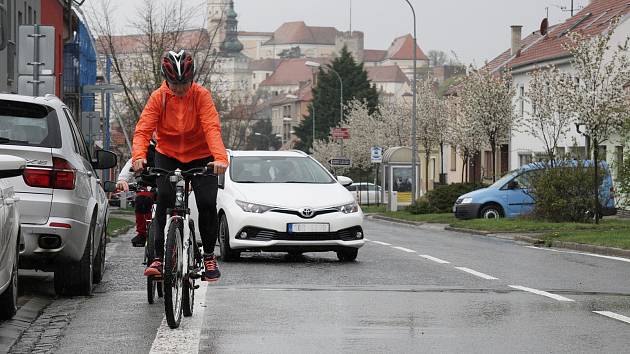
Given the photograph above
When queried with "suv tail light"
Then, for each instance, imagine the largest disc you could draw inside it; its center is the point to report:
(60, 176)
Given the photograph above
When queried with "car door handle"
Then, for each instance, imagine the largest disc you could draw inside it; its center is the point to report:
(89, 174)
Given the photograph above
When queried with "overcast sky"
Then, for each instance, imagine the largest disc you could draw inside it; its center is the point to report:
(476, 30)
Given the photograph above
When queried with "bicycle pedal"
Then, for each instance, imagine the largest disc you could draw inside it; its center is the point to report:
(196, 287)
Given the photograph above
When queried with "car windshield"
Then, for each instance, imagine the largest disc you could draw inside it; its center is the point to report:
(505, 179)
(23, 123)
(277, 169)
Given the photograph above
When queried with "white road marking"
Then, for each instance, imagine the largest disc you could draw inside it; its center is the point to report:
(382, 243)
(441, 261)
(476, 273)
(404, 249)
(616, 316)
(582, 253)
(184, 339)
(543, 293)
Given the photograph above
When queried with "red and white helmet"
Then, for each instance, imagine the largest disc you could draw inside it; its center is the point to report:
(178, 68)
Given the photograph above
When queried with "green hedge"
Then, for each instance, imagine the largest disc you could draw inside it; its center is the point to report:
(442, 198)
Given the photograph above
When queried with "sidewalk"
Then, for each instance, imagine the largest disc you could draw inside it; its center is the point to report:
(532, 238)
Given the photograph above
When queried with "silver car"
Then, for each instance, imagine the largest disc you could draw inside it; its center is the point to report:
(63, 206)
(10, 166)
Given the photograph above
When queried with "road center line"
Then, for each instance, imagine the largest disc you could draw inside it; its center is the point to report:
(582, 253)
(476, 273)
(404, 249)
(441, 261)
(184, 339)
(616, 316)
(543, 293)
(382, 243)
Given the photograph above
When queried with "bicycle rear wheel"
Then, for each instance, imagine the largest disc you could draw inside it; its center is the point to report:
(173, 274)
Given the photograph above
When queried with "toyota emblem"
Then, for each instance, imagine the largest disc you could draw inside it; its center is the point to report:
(307, 212)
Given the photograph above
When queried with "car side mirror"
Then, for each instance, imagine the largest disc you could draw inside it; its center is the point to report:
(11, 166)
(104, 160)
(109, 186)
(221, 181)
(345, 181)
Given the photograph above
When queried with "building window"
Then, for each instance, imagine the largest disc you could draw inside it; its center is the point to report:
(619, 159)
(286, 111)
(453, 158)
(578, 152)
(524, 159)
(521, 93)
(602, 153)
(560, 152)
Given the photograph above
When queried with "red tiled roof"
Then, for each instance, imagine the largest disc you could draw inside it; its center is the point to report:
(264, 64)
(374, 55)
(137, 43)
(590, 21)
(503, 58)
(255, 34)
(402, 49)
(292, 72)
(299, 33)
(390, 73)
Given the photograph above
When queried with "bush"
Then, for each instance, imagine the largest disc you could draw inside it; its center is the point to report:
(442, 198)
(563, 193)
(421, 206)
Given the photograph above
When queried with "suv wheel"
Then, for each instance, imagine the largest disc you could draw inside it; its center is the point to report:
(348, 254)
(227, 254)
(8, 299)
(99, 261)
(77, 278)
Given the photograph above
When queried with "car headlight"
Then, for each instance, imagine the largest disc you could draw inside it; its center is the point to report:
(253, 208)
(467, 201)
(349, 208)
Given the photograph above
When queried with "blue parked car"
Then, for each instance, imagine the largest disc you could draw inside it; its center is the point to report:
(508, 197)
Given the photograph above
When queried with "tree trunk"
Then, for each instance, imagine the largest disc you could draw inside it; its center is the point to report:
(596, 179)
(494, 162)
(426, 169)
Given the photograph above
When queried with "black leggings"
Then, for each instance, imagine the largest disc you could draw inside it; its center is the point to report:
(205, 188)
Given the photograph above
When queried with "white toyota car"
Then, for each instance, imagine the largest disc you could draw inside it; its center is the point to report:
(285, 201)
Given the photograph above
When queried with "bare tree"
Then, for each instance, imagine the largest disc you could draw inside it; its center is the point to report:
(136, 59)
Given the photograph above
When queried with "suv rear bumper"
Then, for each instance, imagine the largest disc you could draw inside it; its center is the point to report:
(71, 248)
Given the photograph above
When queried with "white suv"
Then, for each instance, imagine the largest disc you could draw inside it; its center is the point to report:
(63, 206)
(285, 201)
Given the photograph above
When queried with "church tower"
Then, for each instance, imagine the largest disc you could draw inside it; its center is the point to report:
(231, 45)
(217, 15)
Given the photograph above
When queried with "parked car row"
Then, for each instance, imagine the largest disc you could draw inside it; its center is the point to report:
(62, 204)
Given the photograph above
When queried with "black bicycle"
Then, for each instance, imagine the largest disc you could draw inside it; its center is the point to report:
(183, 261)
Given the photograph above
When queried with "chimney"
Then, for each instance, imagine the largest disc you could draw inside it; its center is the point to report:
(516, 39)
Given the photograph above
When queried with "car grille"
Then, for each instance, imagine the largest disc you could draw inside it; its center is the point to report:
(256, 234)
(315, 213)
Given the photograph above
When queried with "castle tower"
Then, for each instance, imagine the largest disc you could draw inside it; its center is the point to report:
(217, 15)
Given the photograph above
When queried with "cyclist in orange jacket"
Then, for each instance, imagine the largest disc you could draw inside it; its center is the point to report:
(188, 132)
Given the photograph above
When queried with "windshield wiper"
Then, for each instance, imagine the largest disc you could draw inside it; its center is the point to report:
(4, 140)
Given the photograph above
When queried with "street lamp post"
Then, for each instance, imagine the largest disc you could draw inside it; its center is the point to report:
(414, 143)
(317, 65)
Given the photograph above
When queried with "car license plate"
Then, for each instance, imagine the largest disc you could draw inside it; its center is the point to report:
(308, 227)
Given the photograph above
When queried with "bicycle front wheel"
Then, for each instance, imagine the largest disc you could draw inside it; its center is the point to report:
(173, 274)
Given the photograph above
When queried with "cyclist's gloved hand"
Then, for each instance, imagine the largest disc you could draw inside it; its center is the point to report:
(218, 168)
(138, 165)
(122, 186)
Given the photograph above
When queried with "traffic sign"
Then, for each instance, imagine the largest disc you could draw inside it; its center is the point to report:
(376, 154)
(340, 133)
(340, 162)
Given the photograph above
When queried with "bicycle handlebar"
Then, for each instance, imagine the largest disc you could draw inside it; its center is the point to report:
(193, 172)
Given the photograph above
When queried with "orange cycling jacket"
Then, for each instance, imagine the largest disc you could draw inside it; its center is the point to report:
(187, 128)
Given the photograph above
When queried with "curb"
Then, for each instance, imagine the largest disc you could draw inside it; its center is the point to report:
(520, 236)
(12, 330)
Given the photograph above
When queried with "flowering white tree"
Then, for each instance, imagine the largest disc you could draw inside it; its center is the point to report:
(599, 100)
(430, 123)
(463, 133)
(550, 117)
(487, 101)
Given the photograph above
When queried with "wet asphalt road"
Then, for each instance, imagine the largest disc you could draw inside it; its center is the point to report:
(401, 296)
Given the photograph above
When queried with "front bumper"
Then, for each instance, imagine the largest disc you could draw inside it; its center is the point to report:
(268, 231)
(71, 249)
(467, 211)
